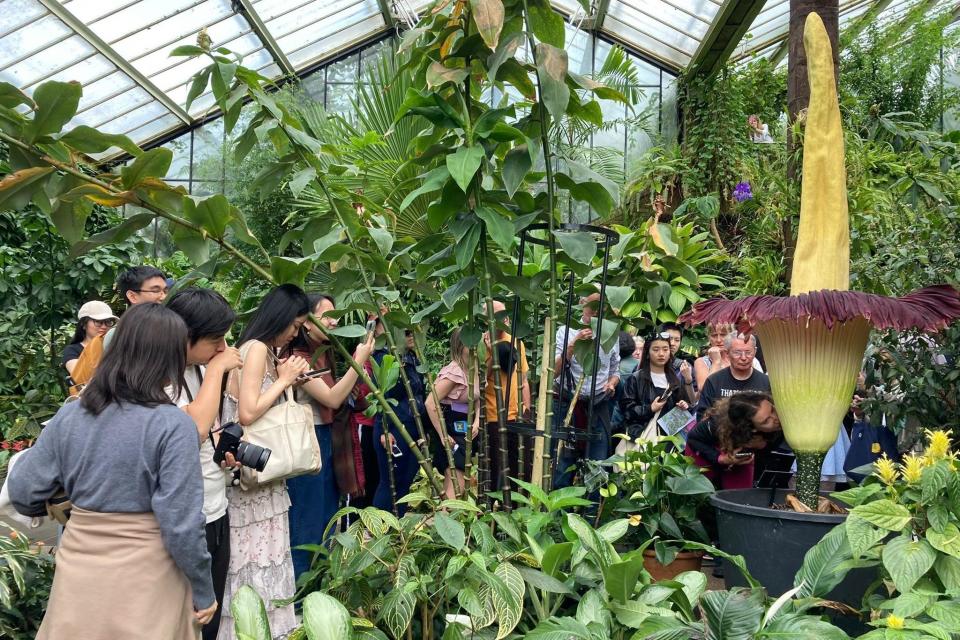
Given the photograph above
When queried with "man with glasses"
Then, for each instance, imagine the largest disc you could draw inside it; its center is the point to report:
(140, 284)
(739, 376)
(600, 394)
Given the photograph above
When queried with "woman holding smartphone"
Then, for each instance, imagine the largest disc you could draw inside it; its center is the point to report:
(726, 442)
(452, 394)
(654, 389)
(314, 498)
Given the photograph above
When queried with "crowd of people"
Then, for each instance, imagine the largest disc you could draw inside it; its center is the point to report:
(158, 500)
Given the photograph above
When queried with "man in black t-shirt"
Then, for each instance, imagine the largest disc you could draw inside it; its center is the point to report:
(739, 376)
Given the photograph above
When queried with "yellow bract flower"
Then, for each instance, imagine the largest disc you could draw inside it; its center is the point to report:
(635, 520)
(886, 470)
(938, 445)
(912, 468)
(894, 622)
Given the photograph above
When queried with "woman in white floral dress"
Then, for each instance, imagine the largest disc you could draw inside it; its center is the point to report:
(259, 528)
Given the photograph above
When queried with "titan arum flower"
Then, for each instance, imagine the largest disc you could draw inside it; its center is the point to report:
(814, 340)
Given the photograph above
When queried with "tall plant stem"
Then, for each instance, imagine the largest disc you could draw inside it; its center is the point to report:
(424, 461)
(471, 409)
(552, 249)
(183, 222)
(809, 467)
(495, 368)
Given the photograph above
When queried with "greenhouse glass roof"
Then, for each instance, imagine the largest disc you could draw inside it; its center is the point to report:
(119, 49)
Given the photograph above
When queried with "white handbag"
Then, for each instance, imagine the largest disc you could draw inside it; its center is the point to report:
(287, 430)
(650, 433)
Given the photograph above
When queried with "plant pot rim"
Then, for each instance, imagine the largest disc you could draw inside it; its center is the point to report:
(650, 553)
(726, 500)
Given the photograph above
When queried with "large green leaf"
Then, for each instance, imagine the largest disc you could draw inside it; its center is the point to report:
(193, 244)
(546, 24)
(555, 556)
(450, 531)
(884, 513)
(115, 234)
(507, 602)
(516, 165)
(862, 535)
(590, 192)
(690, 485)
(290, 270)
(820, 571)
(457, 291)
(499, 228)
(488, 16)
(383, 239)
(732, 615)
(249, 615)
(540, 580)
(466, 247)
(89, 140)
(56, 103)
(438, 75)
(70, 218)
(560, 629)
(552, 65)
(794, 626)
(324, 618)
(620, 578)
(17, 188)
(579, 245)
(11, 97)
(397, 611)
(617, 296)
(212, 214)
(151, 164)
(432, 180)
(463, 165)
(579, 172)
(947, 569)
(907, 561)
(592, 541)
(506, 49)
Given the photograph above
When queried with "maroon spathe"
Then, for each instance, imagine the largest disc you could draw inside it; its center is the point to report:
(928, 309)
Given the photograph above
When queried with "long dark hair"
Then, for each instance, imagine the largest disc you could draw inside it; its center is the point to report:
(673, 380)
(276, 312)
(733, 418)
(80, 334)
(206, 312)
(148, 353)
(301, 342)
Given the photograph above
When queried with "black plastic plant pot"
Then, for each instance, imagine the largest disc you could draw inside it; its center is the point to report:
(774, 542)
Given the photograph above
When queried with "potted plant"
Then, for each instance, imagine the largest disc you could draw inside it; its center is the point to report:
(661, 492)
(814, 339)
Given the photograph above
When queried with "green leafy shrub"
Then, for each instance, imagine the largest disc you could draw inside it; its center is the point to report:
(26, 574)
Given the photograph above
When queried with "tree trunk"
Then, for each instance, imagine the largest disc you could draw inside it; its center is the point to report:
(798, 89)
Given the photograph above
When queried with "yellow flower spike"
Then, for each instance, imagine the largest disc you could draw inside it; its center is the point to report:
(938, 444)
(912, 468)
(635, 520)
(886, 470)
(894, 622)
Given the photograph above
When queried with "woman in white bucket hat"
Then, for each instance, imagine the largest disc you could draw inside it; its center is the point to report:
(94, 319)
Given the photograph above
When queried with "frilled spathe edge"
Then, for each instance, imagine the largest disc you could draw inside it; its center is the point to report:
(927, 309)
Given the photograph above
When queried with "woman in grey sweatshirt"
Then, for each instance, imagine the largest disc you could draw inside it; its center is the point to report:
(134, 548)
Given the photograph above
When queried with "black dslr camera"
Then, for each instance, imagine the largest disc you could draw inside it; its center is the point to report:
(247, 454)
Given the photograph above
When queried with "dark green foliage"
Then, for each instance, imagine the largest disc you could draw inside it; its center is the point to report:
(26, 575)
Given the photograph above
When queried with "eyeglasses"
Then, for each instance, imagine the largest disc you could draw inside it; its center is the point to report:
(109, 322)
(741, 354)
(156, 292)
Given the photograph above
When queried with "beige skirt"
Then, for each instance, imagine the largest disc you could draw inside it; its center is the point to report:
(114, 579)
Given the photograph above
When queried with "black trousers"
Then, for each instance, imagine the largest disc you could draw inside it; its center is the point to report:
(218, 544)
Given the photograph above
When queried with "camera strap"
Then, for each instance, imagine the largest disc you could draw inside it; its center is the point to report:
(223, 387)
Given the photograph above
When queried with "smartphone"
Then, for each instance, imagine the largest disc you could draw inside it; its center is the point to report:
(395, 450)
(743, 454)
(315, 373)
(371, 327)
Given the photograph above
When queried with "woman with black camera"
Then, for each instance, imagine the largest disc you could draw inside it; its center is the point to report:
(133, 560)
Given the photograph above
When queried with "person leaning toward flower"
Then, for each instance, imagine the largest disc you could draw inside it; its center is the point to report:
(133, 560)
(725, 442)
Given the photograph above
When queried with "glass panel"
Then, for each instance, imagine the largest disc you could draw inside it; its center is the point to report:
(643, 42)
(87, 71)
(343, 35)
(206, 188)
(611, 136)
(641, 134)
(134, 43)
(155, 129)
(208, 151)
(17, 13)
(343, 71)
(111, 87)
(669, 123)
(32, 39)
(338, 97)
(104, 112)
(136, 118)
(180, 167)
(579, 46)
(314, 86)
(49, 60)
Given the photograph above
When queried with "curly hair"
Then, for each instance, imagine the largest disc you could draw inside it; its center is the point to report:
(733, 418)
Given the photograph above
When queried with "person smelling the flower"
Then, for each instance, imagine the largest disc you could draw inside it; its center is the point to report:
(740, 376)
(726, 442)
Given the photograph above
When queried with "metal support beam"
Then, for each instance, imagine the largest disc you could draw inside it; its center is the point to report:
(595, 20)
(245, 8)
(119, 61)
(729, 26)
(387, 13)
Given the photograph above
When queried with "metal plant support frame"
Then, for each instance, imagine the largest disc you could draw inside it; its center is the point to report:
(561, 431)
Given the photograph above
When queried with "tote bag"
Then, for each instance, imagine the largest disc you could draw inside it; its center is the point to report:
(287, 430)
(650, 433)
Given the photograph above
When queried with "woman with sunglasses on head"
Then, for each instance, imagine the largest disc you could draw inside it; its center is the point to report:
(133, 560)
(96, 318)
(654, 389)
